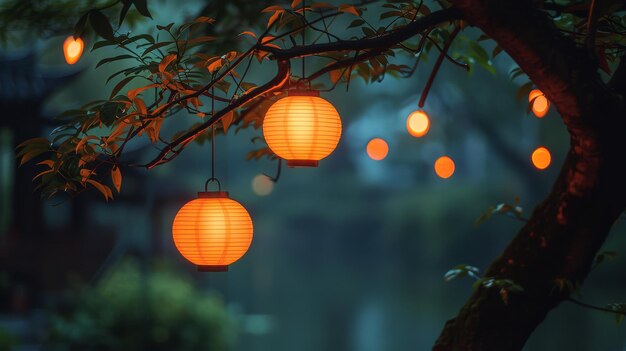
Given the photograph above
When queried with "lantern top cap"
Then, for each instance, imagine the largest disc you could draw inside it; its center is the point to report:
(303, 92)
(213, 194)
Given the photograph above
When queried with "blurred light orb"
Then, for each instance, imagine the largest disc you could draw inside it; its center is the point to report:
(418, 123)
(212, 231)
(444, 167)
(73, 49)
(377, 149)
(302, 128)
(541, 105)
(541, 158)
(262, 185)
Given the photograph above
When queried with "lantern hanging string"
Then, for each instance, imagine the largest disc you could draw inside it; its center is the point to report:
(206, 185)
(303, 40)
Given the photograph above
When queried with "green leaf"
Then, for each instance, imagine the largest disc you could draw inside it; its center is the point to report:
(461, 271)
(142, 8)
(124, 11)
(79, 27)
(147, 37)
(369, 32)
(606, 255)
(165, 28)
(120, 85)
(391, 14)
(156, 46)
(356, 23)
(109, 112)
(101, 24)
(112, 59)
(103, 43)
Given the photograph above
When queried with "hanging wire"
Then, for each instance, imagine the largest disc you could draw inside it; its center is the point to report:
(213, 135)
(212, 179)
(303, 39)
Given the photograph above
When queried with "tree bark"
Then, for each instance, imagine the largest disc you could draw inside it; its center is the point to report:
(565, 232)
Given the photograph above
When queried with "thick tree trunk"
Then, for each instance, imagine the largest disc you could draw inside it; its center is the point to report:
(565, 232)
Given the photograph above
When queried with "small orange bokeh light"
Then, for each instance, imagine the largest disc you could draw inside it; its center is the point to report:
(444, 167)
(541, 158)
(541, 105)
(418, 123)
(377, 149)
(73, 49)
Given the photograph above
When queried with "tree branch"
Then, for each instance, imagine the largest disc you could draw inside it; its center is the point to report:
(592, 27)
(593, 307)
(376, 45)
(344, 63)
(281, 77)
(564, 233)
(433, 74)
(386, 40)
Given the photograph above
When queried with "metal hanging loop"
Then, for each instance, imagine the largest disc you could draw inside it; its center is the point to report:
(212, 179)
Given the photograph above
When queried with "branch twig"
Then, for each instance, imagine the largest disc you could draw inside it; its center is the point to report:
(442, 55)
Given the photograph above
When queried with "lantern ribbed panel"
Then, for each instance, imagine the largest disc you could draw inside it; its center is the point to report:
(212, 231)
(302, 128)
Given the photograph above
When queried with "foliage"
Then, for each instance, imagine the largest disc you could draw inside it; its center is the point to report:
(21, 19)
(181, 68)
(176, 70)
(620, 311)
(605, 256)
(130, 309)
(460, 271)
(511, 210)
(504, 286)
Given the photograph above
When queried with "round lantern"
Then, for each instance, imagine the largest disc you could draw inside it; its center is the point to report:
(212, 231)
(72, 49)
(302, 128)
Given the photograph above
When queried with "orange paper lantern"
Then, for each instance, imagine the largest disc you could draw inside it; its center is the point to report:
(541, 105)
(73, 49)
(212, 231)
(418, 123)
(302, 128)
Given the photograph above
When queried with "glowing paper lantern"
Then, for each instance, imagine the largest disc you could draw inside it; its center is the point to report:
(418, 123)
(444, 167)
(73, 49)
(302, 128)
(377, 149)
(212, 231)
(541, 105)
(541, 158)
